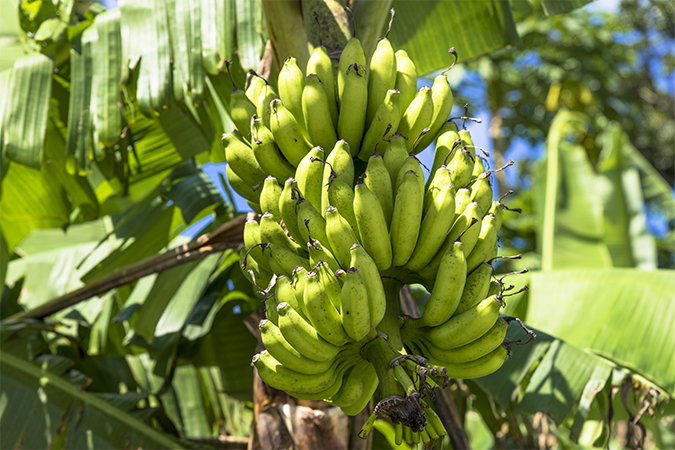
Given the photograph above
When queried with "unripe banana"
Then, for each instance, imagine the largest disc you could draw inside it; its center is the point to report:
(434, 228)
(485, 245)
(283, 260)
(438, 180)
(321, 64)
(341, 276)
(355, 311)
(285, 293)
(287, 206)
(405, 222)
(406, 78)
(417, 117)
(476, 287)
(351, 389)
(298, 284)
(288, 133)
(478, 167)
(372, 226)
(255, 207)
(242, 187)
(316, 111)
(240, 156)
(322, 314)
(478, 368)
(329, 282)
(340, 161)
(271, 231)
(448, 141)
(387, 116)
(497, 209)
(495, 288)
(291, 83)
(352, 116)
(470, 237)
(441, 97)
(340, 236)
(462, 200)
(303, 337)
(461, 165)
(379, 182)
(267, 153)
(241, 110)
(395, 156)
(341, 196)
(277, 375)
(328, 392)
(481, 191)
(269, 197)
(466, 327)
(382, 76)
(370, 383)
(447, 289)
(364, 263)
(263, 107)
(251, 241)
(318, 253)
(351, 54)
(410, 163)
(285, 353)
(309, 175)
(256, 84)
(310, 221)
(247, 264)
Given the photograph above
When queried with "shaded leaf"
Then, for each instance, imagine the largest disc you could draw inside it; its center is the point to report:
(552, 7)
(249, 42)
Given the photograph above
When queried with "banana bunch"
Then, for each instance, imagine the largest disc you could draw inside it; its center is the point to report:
(329, 162)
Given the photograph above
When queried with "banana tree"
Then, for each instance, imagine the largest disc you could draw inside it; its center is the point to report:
(118, 161)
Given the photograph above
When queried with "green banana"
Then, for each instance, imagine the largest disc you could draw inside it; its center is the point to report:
(317, 115)
(340, 236)
(267, 153)
(320, 64)
(291, 84)
(461, 165)
(354, 101)
(287, 207)
(286, 354)
(476, 287)
(478, 368)
(285, 292)
(497, 209)
(240, 156)
(434, 228)
(287, 133)
(262, 276)
(395, 156)
(459, 227)
(256, 83)
(468, 326)
(302, 335)
(351, 389)
(263, 107)
(481, 191)
(462, 200)
(417, 117)
(473, 350)
(486, 244)
(355, 311)
(448, 287)
(283, 260)
(276, 374)
(318, 253)
(340, 161)
(441, 97)
(379, 182)
(372, 226)
(341, 196)
(383, 125)
(271, 231)
(241, 186)
(298, 283)
(251, 241)
(370, 384)
(448, 141)
(351, 54)
(241, 110)
(382, 76)
(310, 222)
(405, 222)
(406, 78)
(437, 181)
(411, 163)
(309, 175)
(269, 197)
(322, 314)
(368, 269)
(330, 282)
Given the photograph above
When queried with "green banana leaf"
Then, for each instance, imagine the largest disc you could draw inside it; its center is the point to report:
(41, 409)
